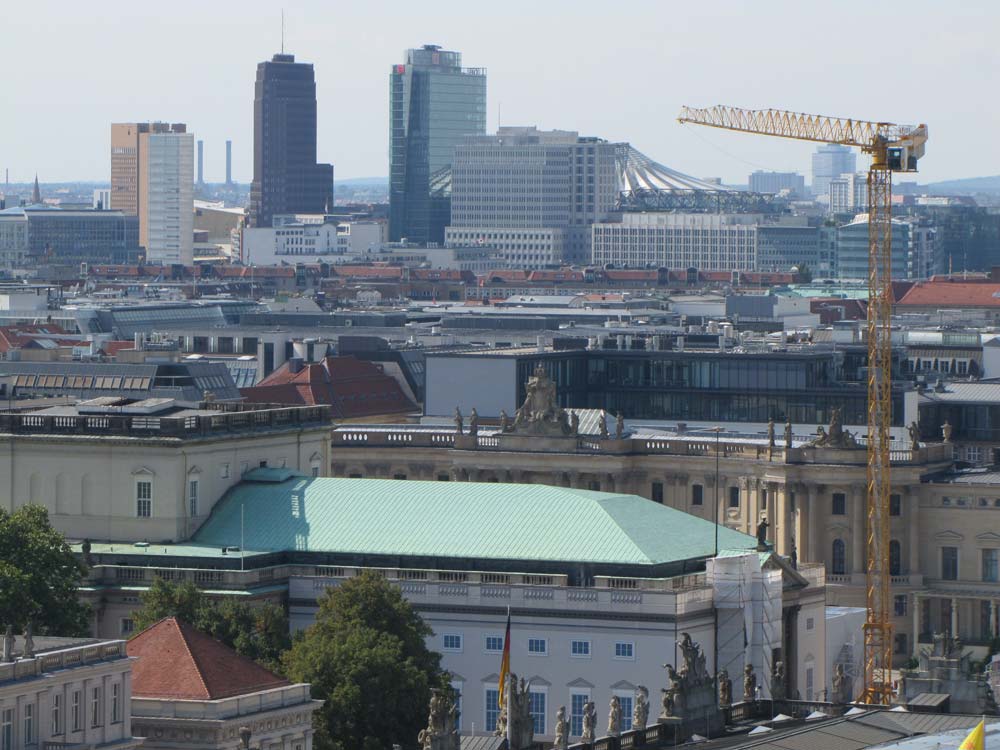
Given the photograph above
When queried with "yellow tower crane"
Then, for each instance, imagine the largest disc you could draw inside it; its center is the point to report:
(893, 148)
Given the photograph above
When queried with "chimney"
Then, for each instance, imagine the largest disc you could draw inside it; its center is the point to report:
(229, 162)
(201, 162)
(295, 365)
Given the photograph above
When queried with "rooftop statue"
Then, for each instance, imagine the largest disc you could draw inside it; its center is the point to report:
(835, 436)
(540, 414)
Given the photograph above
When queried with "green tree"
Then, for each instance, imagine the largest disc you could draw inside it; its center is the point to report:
(39, 575)
(258, 632)
(367, 648)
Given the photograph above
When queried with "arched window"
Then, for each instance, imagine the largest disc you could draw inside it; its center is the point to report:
(895, 558)
(839, 566)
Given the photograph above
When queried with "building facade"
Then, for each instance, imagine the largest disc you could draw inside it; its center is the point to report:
(286, 176)
(828, 162)
(713, 242)
(305, 242)
(148, 471)
(916, 250)
(849, 192)
(35, 236)
(68, 692)
(152, 173)
(775, 182)
(433, 103)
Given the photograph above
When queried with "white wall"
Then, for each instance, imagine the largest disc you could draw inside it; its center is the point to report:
(487, 383)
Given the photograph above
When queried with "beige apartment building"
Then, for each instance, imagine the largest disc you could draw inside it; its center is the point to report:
(152, 167)
(120, 470)
(945, 554)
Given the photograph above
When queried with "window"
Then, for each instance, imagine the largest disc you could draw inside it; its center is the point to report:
(193, 497)
(75, 710)
(899, 605)
(810, 623)
(444, 478)
(895, 557)
(809, 683)
(763, 500)
(625, 701)
(116, 703)
(127, 626)
(96, 719)
(492, 708)
(839, 562)
(579, 648)
(451, 642)
(734, 497)
(839, 507)
(991, 565)
(895, 505)
(315, 470)
(7, 730)
(57, 719)
(244, 467)
(899, 643)
(29, 723)
(144, 499)
(624, 650)
(494, 644)
(577, 701)
(697, 494)
(457, 687)
(537, 646)
(656, 492)
(949, 563)
(536, 706)
(224, 471)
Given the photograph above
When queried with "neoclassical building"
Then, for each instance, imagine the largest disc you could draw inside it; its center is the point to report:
(945, 556)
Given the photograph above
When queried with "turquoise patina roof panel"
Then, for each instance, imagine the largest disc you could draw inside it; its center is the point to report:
(460, 520)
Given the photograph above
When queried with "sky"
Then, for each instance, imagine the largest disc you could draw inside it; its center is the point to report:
(620, 71)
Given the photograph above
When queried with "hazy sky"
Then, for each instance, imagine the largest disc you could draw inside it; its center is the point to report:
(618, 70)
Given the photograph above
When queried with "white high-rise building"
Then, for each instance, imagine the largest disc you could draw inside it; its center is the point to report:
(848, 193)
(170, 198)
(831, 160)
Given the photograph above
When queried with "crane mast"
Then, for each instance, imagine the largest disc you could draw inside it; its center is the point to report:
(893, 148)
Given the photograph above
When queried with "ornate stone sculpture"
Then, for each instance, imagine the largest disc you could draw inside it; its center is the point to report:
(640, 708)
(946, 430)
(778, 681)
(619, 426)
(589, 721)
(603, 425)
(459, 422)
(614, 717)
(540, 414)
(28, 650)
(442, 724)
(8, 644)
(474, 422)
(914, 432)
(788, 434)
(839, 685)
(762, 527)
(85, 551)
(837, 437)
(749, 683)
(515, 719)
(770, 433)
(725, 688)
(672, 693)
(694, 659)
(793, 555)
(504, 421)
(562, 730)
(574, 422)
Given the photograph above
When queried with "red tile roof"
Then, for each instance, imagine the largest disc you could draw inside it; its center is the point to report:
(367, 272)
(952, 294)
(111, 348)
(622, 274)
(353, 387)
(20, 336)
(176, 661)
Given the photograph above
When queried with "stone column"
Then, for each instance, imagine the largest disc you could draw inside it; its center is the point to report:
(916, 622)
(912, 516)
(954, 617)
(858, 543)
(816, 519)
(993, 619)
(783, 513)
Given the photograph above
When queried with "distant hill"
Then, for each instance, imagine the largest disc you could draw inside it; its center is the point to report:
(966, 186)
(363, 182)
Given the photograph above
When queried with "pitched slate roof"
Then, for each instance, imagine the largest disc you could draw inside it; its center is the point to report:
(178, 662)
(511, 522)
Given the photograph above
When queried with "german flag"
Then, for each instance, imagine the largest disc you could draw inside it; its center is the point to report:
(504, 664)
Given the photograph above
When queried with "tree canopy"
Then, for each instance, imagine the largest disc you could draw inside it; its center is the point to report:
(258, 632)
(39, 576)
(366, 657)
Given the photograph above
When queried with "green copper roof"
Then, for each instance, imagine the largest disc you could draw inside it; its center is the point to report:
(460, 520)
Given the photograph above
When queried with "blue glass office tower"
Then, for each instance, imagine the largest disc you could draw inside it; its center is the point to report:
(433, 103)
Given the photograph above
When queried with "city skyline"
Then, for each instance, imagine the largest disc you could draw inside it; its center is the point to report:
(618, 86)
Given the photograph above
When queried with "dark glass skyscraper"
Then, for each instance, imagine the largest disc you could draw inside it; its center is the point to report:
(433, 103)
(286, 177)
